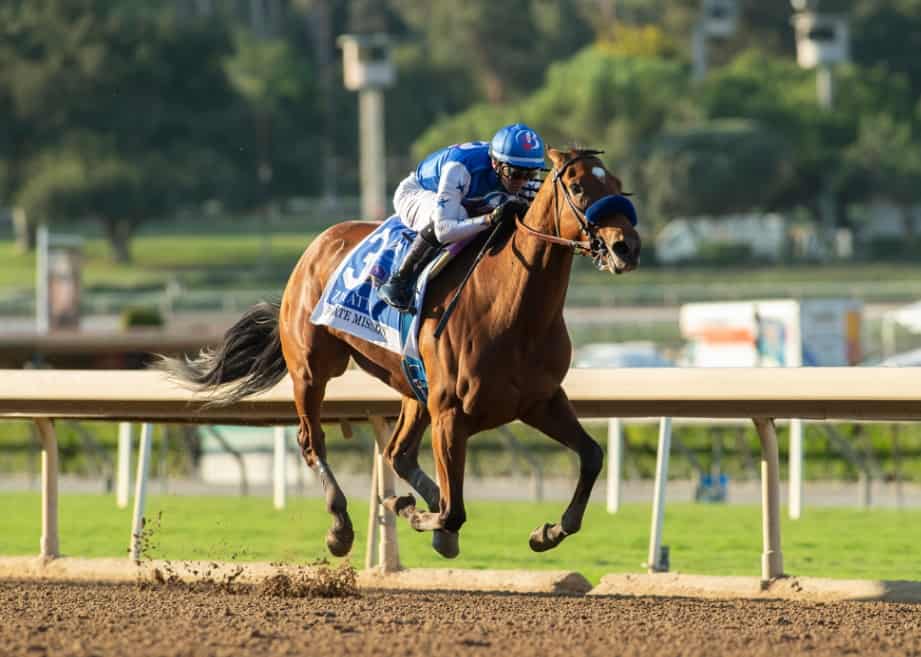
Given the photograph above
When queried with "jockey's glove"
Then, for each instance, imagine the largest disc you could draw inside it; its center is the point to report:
(511, 207)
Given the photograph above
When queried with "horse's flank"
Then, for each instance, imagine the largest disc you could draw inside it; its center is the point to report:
(304, 289)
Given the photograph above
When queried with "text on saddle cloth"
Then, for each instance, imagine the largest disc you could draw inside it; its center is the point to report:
(350, 302)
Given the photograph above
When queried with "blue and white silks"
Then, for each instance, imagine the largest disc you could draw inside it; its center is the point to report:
(350, 302)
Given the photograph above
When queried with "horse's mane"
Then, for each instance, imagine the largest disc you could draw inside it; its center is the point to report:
(586, 152)
(576, 150)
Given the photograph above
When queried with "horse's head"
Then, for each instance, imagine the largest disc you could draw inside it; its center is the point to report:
(589, 204)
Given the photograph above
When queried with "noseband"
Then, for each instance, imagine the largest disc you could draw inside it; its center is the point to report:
(594, 247)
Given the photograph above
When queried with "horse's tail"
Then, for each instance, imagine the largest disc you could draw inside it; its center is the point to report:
(247, 361)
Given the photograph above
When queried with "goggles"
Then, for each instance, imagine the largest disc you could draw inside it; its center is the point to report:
(518, 173)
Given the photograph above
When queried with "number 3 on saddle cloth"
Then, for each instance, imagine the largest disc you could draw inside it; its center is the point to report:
(350, 302)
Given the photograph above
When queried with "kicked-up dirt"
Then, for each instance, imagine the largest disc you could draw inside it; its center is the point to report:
(291, 618)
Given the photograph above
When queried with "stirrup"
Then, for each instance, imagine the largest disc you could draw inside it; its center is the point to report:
(398, 296)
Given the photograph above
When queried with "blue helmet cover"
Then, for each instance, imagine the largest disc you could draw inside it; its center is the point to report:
(613, 204)
(519, 146)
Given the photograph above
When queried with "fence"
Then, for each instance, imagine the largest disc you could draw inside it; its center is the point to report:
(760, 394)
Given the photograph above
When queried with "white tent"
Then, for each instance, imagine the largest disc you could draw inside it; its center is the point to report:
(908, 317)
(905, 359)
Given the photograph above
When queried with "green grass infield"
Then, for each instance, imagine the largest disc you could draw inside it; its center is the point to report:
(702, 539)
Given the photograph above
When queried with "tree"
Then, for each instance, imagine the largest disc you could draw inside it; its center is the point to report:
(606, 100)
(43, 54)
(883, 163)
(506, 45)
(717, 167)
(122, 115)
(594, 99)
(410, 111)
(94, 182)
(886, 34)
(764, 23)
(782, 97)
(274, 79)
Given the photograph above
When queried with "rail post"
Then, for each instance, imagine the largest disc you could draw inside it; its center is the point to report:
(279, 468)
(615, 463)
(388, 548)
(654, 559)
(771, 557)
(49, 545)
(140, 492)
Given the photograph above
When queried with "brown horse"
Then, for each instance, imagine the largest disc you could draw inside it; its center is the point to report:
(502, 356)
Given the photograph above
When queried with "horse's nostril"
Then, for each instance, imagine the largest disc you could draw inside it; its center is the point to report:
(620, 249)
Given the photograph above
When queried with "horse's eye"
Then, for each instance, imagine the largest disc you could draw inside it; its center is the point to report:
(575, 189)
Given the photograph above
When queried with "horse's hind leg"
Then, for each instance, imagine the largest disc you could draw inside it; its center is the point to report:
(323, 361)
(558, 420)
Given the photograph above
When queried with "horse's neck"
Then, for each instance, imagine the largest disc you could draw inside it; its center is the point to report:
(535, 273)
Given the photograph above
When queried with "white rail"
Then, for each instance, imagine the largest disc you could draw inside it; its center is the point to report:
(760, 394)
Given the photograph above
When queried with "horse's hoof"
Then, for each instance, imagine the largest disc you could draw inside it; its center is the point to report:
(398, 505)
(546, 537)
(340, 543)
(446, 543)
(425, 521)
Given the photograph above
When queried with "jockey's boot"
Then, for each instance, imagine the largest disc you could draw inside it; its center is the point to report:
(399, 290)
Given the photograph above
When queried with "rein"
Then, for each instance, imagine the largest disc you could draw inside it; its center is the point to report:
(582, 247)
(594, 247)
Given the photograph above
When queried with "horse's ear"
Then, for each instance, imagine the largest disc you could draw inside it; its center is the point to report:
(556, 156)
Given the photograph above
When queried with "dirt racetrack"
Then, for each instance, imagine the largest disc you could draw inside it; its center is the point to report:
(83, 620)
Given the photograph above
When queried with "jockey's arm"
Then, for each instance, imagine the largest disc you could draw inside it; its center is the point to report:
(450, 220)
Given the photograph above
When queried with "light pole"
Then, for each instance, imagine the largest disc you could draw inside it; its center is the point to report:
(718, 19)
(822, 40)
(368, 70)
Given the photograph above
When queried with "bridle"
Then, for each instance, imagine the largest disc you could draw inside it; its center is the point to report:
(593, 247)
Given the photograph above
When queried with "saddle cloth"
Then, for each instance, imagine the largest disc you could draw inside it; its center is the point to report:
(350, 302)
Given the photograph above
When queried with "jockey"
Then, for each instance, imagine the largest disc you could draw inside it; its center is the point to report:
(446, 199)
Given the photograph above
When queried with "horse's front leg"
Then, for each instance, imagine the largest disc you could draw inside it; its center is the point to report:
(557, 419)
(403, 454)
(449, 447)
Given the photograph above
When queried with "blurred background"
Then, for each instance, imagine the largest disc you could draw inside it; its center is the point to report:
(164, 164)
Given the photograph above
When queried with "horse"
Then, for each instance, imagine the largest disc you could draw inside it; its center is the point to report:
(501, 357)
